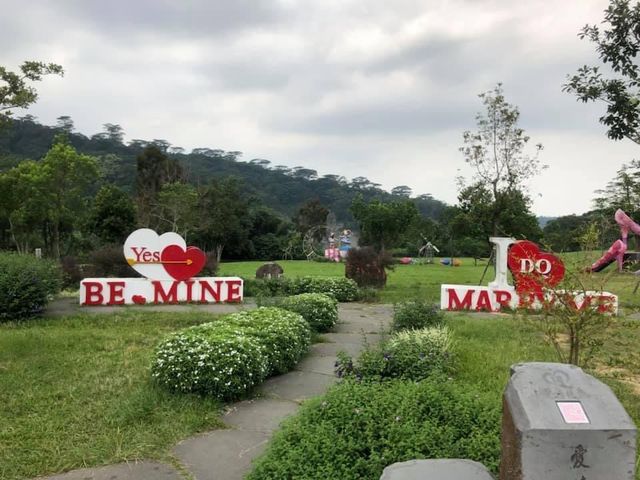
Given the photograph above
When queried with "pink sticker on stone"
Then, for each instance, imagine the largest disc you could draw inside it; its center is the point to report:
(572, 412)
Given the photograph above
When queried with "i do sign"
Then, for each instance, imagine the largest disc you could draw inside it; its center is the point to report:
(170, 268)
(535, 274)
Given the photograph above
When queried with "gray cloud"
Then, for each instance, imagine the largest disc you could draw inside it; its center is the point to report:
(348, 87)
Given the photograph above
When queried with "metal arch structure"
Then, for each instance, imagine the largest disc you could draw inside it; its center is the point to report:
(311, 247)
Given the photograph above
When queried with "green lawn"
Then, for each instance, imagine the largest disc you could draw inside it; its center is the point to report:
(75, 392)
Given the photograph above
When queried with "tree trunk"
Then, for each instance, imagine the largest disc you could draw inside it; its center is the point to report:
(56, 240)
(219, 248)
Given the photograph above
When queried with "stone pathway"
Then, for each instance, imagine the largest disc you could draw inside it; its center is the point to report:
(227, 454)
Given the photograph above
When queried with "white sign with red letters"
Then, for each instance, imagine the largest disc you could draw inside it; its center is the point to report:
(170, 268)
(535, 274)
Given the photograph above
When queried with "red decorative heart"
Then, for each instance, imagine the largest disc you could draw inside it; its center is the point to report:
(139, 299)
(181, 264)
(532, 269)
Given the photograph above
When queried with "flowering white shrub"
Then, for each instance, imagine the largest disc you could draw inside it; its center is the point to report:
(285, 335)
(319, 310)
(228, 357)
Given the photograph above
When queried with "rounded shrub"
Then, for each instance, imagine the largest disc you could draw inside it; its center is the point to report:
(228, 357)
(416, 314)
(319, 310)
(212, 360)
(285, 335)
(411, 355)
(359, 428)
(341, 288)
(26, 283)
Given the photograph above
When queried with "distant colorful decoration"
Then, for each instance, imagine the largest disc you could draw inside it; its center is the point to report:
(338, 247)
(406, 260)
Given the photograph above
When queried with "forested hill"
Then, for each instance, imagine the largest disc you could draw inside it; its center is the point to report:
(282, 188)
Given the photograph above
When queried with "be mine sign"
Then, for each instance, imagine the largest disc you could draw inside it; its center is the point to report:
(169, 267)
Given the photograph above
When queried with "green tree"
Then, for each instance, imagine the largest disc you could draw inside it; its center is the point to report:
(223, 216)
(112, 216)
(311, 214)
(617, 44)
(176, 208)
(154, 169)
(383, 224)
(23, 203)
(67, 176)
(496, 151)
(15, 90)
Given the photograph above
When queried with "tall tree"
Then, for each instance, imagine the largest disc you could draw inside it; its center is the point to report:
(223, 216)
(311, 214)
(496, 151)
(112, 216)
(67, 177)
(382, 224)
(617, 43)
(15, 90)
(154, 169)
(176, 208)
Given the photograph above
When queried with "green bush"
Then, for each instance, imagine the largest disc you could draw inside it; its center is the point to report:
(319, 310)
(285, 335)
(26, 283)
(412, 355)
(416, 314)
(228, 357)
(342, 289)
(358, 428)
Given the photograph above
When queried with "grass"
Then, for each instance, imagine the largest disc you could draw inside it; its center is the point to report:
(75, 392)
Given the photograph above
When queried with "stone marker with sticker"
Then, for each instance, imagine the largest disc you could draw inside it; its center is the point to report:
(559, 423)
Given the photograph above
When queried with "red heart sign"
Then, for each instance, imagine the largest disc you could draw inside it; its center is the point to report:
(181, 264)
(532, 269)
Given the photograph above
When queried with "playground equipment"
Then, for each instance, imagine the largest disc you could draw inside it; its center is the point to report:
(327, 241)
(618, 250)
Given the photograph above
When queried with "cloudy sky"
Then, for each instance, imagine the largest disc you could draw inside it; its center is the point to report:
(378, 88)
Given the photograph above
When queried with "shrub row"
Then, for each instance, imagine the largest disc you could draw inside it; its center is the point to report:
(319, 310)
(26, 283)
(342, 289)
(228, 357)
(358, 428)
(410, 355)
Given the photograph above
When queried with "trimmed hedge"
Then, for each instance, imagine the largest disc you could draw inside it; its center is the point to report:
(319, 310)
(228, 357)
(410, 355)
(358, 428)
(416, 314)
(26, 283)
(341, 288)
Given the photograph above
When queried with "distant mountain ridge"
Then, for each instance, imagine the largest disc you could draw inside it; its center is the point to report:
(282, 188)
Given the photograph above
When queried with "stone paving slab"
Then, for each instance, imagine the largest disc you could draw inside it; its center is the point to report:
(258, 415)
(359, 325)
(317, 364)
(354, 338)
(145, 470)
(297, 386)
(221, 454)
(328, 349)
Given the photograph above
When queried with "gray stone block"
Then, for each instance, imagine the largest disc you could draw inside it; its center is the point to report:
(561, 424)
(441, 469)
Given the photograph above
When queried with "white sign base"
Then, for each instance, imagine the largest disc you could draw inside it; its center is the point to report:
(489, 299)
(140, 291)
